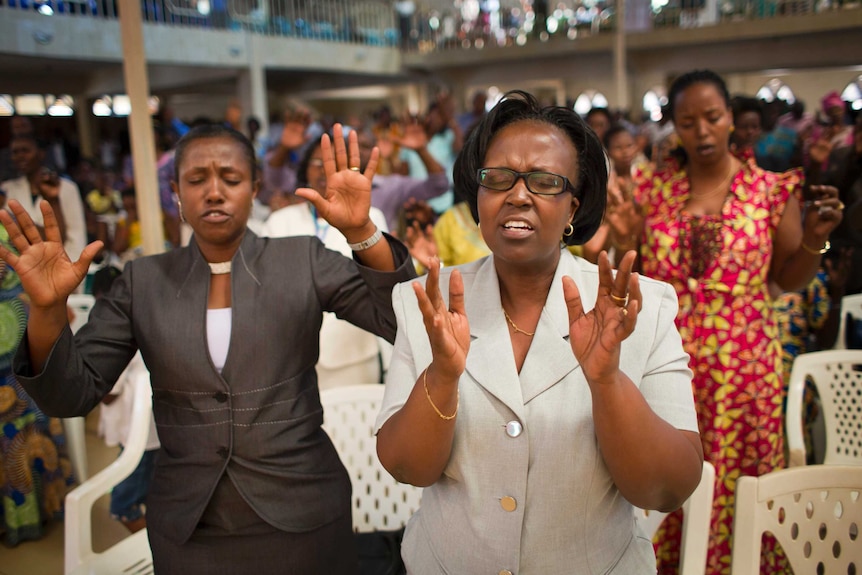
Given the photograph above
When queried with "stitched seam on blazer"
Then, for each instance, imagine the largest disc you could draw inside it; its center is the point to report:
(245, 265)
(291, 420)
(279, 384)
(258, 408)
(172, 406)
(194, 424)
(186, 392)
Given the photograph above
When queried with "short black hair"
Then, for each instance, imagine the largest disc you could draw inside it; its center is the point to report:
(209, 131)
(744, 104)
(602, 111)
(612, 133)
(302, 168)
(517, 106)
(690, 79)
(104, 279)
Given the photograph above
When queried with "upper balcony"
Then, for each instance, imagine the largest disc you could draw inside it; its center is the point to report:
(320, 44)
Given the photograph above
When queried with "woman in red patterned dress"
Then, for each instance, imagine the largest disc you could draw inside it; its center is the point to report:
(719, 229)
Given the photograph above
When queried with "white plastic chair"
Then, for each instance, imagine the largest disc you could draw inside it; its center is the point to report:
(697, 515)
(132, 555)
(814, 512)
(837, 375)
(75, 427)
(850, 304)
(379, 502)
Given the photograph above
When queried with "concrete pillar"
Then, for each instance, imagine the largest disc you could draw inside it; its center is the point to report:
(620, 61)
(251, 86)
(84, 124)
(141, 127)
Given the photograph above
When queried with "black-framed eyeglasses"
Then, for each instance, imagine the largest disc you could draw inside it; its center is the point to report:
(540, 183)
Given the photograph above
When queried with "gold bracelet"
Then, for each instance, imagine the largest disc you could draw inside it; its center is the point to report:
(815, 252)
(431, 401)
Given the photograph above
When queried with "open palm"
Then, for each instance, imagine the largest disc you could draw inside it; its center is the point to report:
(596, 335)
(448, 329)
(46, 272)
(347, 200)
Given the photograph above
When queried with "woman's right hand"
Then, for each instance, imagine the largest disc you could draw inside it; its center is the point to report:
(46, 272)
(448, 329)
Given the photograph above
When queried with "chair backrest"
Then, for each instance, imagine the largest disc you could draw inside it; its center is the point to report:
(837, 375)
(697, 515)
(379, 501)
(81, 304)
(814, 512)
(852, 305)
(79, 556)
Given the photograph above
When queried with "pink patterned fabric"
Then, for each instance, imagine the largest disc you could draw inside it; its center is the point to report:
(719, 266)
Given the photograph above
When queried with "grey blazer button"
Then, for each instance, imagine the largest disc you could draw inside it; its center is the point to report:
(220, 397)
(505, 572)
(223, 452)
(508, 503)
(514, 428)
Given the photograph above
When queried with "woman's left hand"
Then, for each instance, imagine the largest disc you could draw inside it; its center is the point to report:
(348, 190)
(824, 213)
(595, 336)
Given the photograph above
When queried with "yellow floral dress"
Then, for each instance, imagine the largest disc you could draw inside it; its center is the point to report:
(719, 266)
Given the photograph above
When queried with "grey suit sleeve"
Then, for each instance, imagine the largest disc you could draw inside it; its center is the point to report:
(82, 369)
(359, 294)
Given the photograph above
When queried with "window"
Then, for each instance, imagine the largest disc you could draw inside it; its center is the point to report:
(60, 105)
(30, 104)
(653, 101)
(852, 93)
(120, 105)
(590, 99)
(102, 106)
(7, 105)
(776, 89)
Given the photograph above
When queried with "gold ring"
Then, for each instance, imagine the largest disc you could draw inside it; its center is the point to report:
(354, 169)
(620, 300)
(840, 205)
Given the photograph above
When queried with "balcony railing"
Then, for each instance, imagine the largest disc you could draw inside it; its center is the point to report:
(426, 29)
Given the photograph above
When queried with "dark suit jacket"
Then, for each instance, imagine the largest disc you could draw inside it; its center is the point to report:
(259, 419)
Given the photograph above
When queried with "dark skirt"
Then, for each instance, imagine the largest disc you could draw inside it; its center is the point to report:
(231, 539)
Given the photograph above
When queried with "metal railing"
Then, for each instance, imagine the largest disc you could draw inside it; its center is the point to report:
(428, 29)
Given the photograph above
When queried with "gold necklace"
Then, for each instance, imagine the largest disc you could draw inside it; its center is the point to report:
(516, 328)
(721, 187)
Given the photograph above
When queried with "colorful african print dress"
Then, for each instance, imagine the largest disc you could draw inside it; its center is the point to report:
(719, 266)
(34, 471)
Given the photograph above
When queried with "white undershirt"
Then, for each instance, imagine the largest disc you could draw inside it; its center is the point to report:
(218, 335)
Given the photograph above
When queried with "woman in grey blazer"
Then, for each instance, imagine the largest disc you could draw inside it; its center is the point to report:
(246, 481)
(537, 397)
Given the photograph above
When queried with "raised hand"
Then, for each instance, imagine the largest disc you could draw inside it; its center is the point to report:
(347, 200)
(414, 136)
(824, 213)
(448, 329)
(47, 274)
(295, 125)
(595, 336)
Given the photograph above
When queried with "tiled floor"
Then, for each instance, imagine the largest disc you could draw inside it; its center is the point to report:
(45, 556)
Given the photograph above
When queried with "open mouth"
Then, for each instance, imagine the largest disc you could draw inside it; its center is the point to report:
(214, 216)
(517, 228)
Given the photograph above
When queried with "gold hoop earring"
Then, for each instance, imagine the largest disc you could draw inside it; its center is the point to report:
(570, 229)
(180, 206)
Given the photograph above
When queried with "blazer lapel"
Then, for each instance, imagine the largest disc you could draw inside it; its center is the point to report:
(244, 283)
(550, 357)
(490, 361)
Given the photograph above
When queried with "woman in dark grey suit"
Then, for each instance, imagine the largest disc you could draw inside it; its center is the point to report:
(247, 481)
